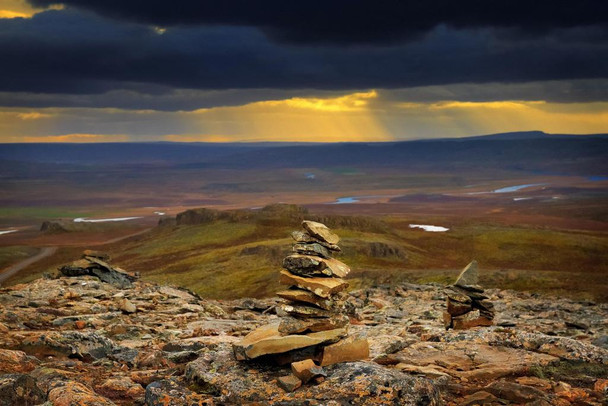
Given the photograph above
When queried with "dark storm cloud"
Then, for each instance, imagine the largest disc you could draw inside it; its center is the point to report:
(352, 21)
(77, 58)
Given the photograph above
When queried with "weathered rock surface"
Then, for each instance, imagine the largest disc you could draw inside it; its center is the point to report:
(95, 266)
(320, 231)
(177, 348)
(324, 287)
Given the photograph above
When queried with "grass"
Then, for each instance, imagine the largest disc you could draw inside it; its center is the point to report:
(242, 257)
(14, 254)
(41, 213)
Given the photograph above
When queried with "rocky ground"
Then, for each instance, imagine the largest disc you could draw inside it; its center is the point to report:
(80, 341)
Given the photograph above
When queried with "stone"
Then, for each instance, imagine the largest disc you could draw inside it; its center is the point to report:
(302, 311)
(121, 389)
(458, 308)
(469, 320)
(292, 325)
(267, 340)
(312, 249)
(104, 256)
(126, 306)
(306, 370)
(306, 296)
(349, 349)
(457, 295)
(12, 362)
(289, 383)
(75, 393)
(20, 389)
(302, 237)
(94, 266)
(307, 265)
(482, 398)
(469, 275)
(167, 392)
(324, 287)
(514, 392)
(320, 231)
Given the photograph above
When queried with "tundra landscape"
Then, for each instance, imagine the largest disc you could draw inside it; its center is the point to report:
(303, 203)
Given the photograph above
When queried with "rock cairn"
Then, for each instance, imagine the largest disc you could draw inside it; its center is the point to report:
(467, 306)
(313, 325)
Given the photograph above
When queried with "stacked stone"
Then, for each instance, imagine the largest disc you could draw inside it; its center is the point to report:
(315, 300)
(467, 306)
(313, 328)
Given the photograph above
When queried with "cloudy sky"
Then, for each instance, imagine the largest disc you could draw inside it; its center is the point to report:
(341, 70)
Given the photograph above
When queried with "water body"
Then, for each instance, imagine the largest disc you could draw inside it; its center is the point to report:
(345, 200)
(6, 231)
(160, 213)
(517, 199)
(433, 229)
(85, 220)
(510, 189)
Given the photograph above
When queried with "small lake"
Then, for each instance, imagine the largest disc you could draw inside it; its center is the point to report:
(345, 200)
(432, 229)
(6, 231)
(85, 220)
(597, 178)
(510, 189)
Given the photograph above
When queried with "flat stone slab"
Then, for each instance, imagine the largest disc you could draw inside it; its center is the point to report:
(320, 231)
(306, 296)
(324, 287)
(268, 340)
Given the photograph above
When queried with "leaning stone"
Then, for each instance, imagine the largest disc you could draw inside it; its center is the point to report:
(267, 340)
(289, 383)
(324, 287)
(306, 370)
(469, 275)
(20, 389)
(312, 249)
(320, 231)
(349, 349)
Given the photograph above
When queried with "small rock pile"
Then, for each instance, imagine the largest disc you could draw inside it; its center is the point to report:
(314, 324)
(96, 263)
(467, 306)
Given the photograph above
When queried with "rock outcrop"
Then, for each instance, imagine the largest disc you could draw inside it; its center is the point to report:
(95, 263)
(67, 341)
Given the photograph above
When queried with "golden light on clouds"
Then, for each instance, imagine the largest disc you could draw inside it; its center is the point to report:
(342, 118)
(355, 117)
(79, 138)
(21, 9)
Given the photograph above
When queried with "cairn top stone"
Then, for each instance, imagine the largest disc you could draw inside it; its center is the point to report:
(469, 275)
(320, 231)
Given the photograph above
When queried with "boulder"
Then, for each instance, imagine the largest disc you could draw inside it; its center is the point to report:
(469, 275)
